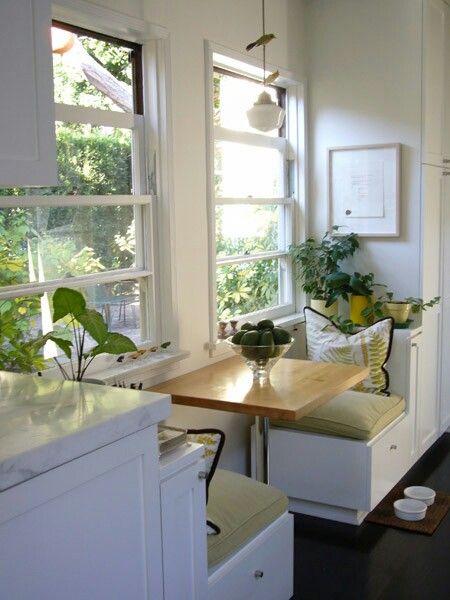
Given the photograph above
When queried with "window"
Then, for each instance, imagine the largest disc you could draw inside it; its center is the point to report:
(252, 206)
(88, 232)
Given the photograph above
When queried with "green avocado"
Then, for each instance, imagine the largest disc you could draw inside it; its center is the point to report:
(265, 324)
(267, 344)
(236, 339)
(281, 336)
(250, 338)
(248, 327)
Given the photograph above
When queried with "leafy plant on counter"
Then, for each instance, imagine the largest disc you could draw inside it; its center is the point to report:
(417, 304)
(81, 322)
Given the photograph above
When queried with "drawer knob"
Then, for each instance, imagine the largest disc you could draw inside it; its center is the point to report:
(393, 447)
(259, 574)
(202, 474)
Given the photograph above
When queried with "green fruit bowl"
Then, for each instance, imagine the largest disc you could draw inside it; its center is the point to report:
(260, 359)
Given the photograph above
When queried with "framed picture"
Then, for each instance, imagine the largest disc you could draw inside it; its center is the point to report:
(364, 189)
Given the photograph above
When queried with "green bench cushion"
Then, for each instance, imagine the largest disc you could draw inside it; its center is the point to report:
(241, 507)
(356, 415)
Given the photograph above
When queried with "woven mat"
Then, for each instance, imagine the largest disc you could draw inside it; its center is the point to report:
(383, 514)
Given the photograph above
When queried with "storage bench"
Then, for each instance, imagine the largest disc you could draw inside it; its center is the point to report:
(252, 557)
(341, 460)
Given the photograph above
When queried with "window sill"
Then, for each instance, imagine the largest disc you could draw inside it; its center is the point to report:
(136, 371)
(220, 348)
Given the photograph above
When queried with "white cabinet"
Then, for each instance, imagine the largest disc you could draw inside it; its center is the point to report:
(445, 311)
(27, 121)
(90, 528)
(446, 130)
(433, 80)
(183, 523)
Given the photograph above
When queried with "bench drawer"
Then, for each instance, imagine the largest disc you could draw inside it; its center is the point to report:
(391, 459)
(261, 570)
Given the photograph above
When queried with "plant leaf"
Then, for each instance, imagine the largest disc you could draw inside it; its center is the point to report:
(272, 77)
(65, 345)
(115, 343)
(94, 324)
(67, 301)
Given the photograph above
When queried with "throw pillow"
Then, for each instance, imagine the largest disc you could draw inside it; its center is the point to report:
(370, 347)
(213, 441)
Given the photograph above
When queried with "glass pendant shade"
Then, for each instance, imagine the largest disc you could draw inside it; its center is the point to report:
(265, 114)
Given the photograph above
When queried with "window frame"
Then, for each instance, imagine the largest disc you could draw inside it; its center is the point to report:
(154, 137)
(217, 57)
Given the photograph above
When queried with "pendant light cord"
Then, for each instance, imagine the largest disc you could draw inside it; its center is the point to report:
(264, 46)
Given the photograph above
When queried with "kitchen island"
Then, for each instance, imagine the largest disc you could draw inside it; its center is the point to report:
(79, 490)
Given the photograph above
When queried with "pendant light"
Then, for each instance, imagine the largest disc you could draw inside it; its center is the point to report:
(265, 115)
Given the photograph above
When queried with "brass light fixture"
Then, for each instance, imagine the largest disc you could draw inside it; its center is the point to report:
(265, 115)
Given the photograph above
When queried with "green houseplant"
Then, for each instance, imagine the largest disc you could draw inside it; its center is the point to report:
(315, 261)
(400, 310)
(78, 324)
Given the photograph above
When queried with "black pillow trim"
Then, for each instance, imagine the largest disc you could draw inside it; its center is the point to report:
(385, 390)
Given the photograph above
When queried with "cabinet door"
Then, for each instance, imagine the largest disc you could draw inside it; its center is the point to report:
(446, 132)
(432, 182)
(27, 122)
(433, 78)
(183, 520)
(414, 395)
(428, 407)
(445, 310)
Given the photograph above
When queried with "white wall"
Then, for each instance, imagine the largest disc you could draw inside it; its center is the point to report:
(233, 24)
(364, 70)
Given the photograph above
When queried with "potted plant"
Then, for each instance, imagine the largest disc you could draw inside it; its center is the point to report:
(358, 290)
(315, 261)
(400, 310)
(79, 322)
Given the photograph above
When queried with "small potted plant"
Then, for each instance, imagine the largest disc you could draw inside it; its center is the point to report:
(400, 310)
(316, 261)
(79, 322)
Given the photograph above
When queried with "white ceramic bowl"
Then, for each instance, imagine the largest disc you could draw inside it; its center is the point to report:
(418, 492)
(410, 510)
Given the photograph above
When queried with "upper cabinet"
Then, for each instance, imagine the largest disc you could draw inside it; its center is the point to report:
(436, 22)
(27, 121)
(446, 140)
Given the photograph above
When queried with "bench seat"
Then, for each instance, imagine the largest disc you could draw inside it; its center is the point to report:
(351, 414)
(241, 507)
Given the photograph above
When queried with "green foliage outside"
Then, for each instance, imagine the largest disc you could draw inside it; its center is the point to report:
(72, 240)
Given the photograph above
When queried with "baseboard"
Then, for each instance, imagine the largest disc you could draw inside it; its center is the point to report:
(326, 511)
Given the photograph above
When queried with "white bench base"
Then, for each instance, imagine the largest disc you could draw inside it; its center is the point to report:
(338, 478)
(270, 553)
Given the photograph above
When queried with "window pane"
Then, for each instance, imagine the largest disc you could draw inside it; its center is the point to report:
(247, 287)
(23, 318)
(242, 170)
(91, 161)
(91, 72)
(233, 97)
(246, 228)
(46, 243)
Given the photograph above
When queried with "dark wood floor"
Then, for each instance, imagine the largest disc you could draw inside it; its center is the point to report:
(336, 561)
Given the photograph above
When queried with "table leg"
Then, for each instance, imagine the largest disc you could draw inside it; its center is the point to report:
(262, 448)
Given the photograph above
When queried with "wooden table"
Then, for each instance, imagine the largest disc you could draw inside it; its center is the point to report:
(296, 388)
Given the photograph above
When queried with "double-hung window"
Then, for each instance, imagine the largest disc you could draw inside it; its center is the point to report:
(92, 232)
(251, 206)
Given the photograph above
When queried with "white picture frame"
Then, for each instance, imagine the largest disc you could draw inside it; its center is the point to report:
(364, 189)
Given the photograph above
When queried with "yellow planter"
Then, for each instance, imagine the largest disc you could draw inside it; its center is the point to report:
(399, 311)
(326, 311)
(357, 305)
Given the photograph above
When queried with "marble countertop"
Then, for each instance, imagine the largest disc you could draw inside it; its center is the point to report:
(45, 423)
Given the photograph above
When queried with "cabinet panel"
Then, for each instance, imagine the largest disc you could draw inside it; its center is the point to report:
(433, 80)
(429, 385)
(431, 244)
(446, 140)
(27, 128)
(445, 310)
(183, 519)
